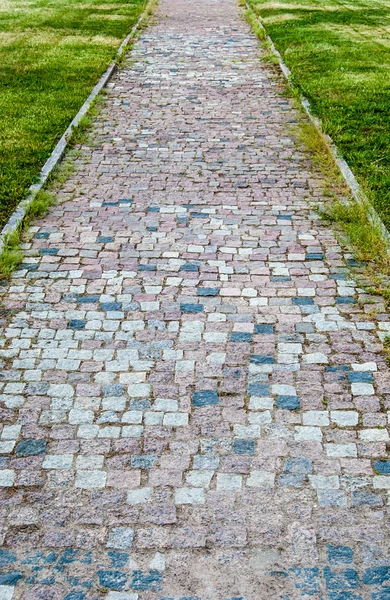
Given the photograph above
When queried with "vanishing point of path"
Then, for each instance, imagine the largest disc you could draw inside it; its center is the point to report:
(192, 391)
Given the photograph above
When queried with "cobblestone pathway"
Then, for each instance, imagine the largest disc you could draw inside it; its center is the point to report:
(192, 391)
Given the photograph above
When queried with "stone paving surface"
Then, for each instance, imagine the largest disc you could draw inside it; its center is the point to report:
(193, 396)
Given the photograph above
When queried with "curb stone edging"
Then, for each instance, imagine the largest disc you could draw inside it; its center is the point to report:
(55, 157)
(345, 170)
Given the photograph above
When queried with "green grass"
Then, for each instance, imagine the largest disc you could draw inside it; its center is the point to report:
(39, 206)
(364, 234)
(366, 239)
(11, 254)
(52, 52)
(339, 55)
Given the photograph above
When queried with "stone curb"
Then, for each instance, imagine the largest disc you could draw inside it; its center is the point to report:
(19, 213)
(345, 170)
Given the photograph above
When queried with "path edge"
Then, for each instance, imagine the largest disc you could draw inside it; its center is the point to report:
(16, 218)
(346, 172)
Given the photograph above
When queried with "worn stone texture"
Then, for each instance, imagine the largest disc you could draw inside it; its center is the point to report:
(194, 401)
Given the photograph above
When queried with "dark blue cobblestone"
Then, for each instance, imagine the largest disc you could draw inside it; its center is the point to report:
(147, 268)
(263, 328)
(344, 596)
(118, 559)
(10, 578)
(341, 580)
(110, 306)
(191, 308)
(307, 580)
(30, 448)
(207, 291)
(280, 278)
(383, 594)
(88, 299)
(259, 359)
(288, 402)
(352, 262)
(146, 581)
(27, 267)
(77, 324)
(240, 336)
(47, 581)
(69, 297)
(70, 556)
(39, 557)
(77, 582)
(205, 398)
(48, 251)
(340, 554)
(143, 404)
(302, 301)
(258, 389)
(189, 267)
(345, 300)
(244, 447)
(59, 568)
(314, 256)
(382, 467)
(104, 239)
(360, 377)
(376, 575)
(145, 461)
(6, 558)
(113, 580)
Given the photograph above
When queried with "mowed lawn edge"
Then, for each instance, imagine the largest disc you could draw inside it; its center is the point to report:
(339, 56)
(52, 53)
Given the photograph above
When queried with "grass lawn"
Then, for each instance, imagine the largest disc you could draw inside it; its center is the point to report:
(339, 54)
(52, 52)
